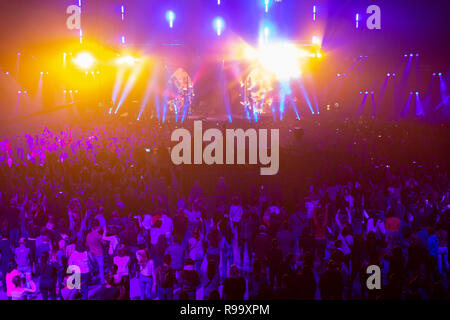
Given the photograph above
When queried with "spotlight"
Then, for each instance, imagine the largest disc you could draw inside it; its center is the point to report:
(319, 55)
(315, 40)
(19, 92)
(219, 25)
(76, 91)
(366, 92)
(84, 60)
(405, 55)
(25, 92)
(434, 74)
(70, 91)
(439, 74)
(42, 73)
(338, 74)
(417, 93)
(360, 92)
(371, 92)
(170, 16)
(65, 91)
(393, 74)
(282, 59)
(388, 74)
(7, 73)
(410, 54)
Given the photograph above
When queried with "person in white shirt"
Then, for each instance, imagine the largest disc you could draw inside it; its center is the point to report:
(122, 261)
(195, 249)
(80, 259)
(147, 278)
(167, 224)
(18, 290)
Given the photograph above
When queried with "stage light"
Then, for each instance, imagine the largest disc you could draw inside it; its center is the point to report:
(393, 74)
(417, 54)
(25, 92)
(315, 40)
(84, 60)
(366, 92)
(338, 74)
(357, 20)
(439, 74)
(42, 73)
(19, 92)
(405, 55)
(123, 40)
(7, 73)
(319, 55)
(266, 6)
(314, 13)
(371, 92)
(282, 59)
(170, 16)
(65, 91)
(76, 91)
(417, 92)
(410, 54)
(388, 74)
(360, 92)
(127, 60)
(218, 25)
(434, 74)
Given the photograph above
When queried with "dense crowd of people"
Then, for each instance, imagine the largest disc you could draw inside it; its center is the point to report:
(105, 198)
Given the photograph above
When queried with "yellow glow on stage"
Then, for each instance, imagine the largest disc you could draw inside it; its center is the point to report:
(126, 60)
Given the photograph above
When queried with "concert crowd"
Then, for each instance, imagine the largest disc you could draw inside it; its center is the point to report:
(102, 203)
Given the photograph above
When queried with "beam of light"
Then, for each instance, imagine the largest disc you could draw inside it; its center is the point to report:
(285, 90)
(64, 60)
(383, 88)
(408, 103)
(158, 107)
(314, 13)
(122, 12)
(361, 106)
(170, 16)
(218, 25)
(226, 98)
(305, 96)
(266, 6)
(81, 36)
(442, 87)
(129, 85)
(84, 60)
(16, 107)
(123, 40)
(419, 106)
(17, 69)
(79, 3)
(427, 99)
(357, 20)
(266, 34)
(38, 97)
(373, 104)
(218, 2)
(295, 107)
